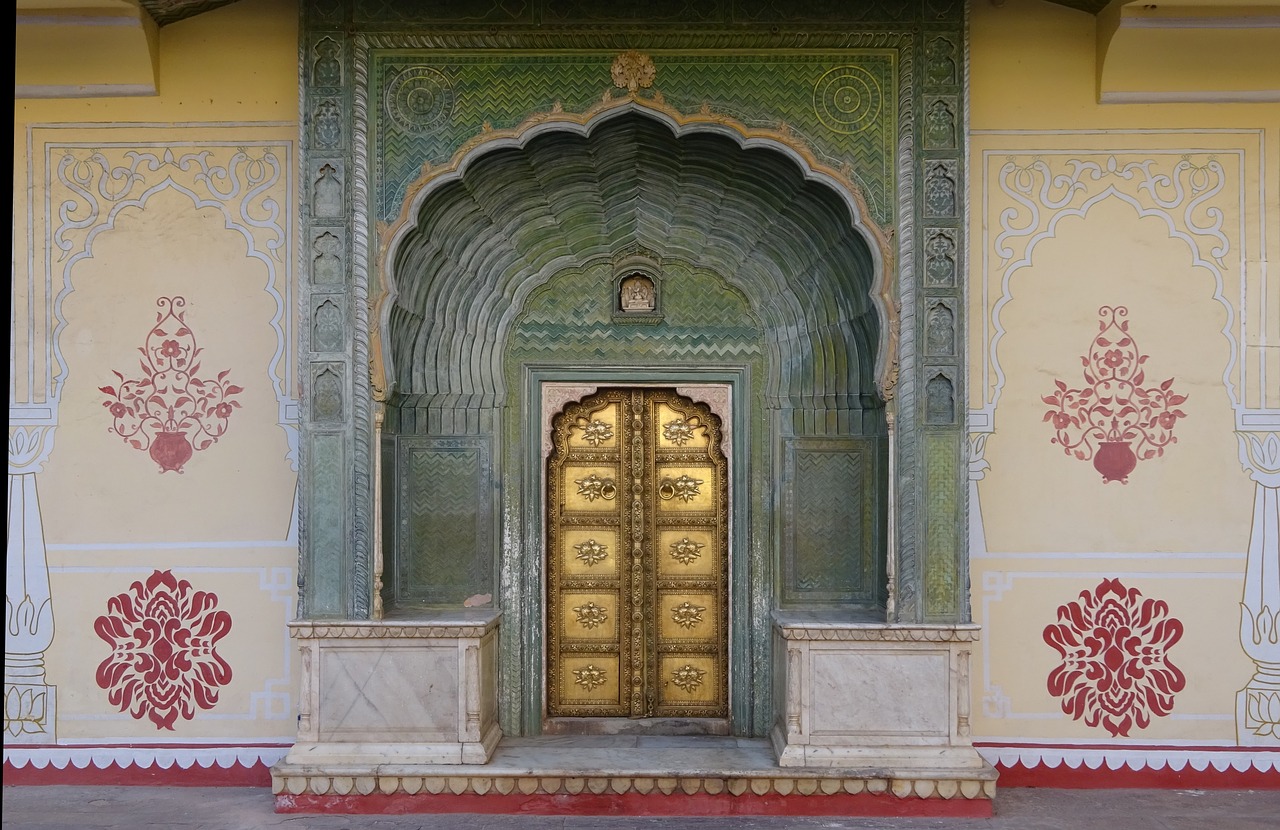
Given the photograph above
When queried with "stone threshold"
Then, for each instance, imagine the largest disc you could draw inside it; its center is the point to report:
(626, 775)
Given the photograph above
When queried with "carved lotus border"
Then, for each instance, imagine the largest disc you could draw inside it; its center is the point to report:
(906, 788)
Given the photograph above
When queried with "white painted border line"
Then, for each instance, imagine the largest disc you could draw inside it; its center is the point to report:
(144, 757)
(1200, 760)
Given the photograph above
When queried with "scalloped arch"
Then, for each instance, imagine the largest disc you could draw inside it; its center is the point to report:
(512, 210)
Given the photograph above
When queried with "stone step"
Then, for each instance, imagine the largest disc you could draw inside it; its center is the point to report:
(620, 775)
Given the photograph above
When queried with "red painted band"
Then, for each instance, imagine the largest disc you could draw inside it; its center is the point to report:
(237, 775)
(1082, 778)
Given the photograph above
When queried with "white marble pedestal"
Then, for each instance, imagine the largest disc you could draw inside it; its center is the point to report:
(855, 695)
(420, 691)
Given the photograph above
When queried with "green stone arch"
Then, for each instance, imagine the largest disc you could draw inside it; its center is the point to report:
(770, 68)
(508, 267)
(749, 209)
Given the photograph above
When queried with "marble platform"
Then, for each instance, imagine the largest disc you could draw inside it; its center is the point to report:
(630, 774)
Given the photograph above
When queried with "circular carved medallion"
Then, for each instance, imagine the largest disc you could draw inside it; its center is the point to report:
(847, 99)
(419, 98)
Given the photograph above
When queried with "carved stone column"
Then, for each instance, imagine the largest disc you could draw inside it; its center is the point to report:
(1258, 703)
(30, 704)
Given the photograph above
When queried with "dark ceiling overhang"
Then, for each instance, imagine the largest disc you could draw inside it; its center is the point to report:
(164, 12)
(1090, 6)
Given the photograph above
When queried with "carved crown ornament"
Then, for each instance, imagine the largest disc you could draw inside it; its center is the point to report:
(629, 69)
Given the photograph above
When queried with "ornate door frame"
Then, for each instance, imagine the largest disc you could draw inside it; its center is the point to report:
(547, 389)
(637, 618)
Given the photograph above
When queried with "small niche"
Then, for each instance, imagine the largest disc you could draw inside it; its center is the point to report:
(636, 299)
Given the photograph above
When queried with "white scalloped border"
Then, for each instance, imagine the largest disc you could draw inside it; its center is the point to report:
(225, 757)
(1134, 759)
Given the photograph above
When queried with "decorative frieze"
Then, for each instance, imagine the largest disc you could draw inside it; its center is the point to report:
(879, 633)
(788, 784)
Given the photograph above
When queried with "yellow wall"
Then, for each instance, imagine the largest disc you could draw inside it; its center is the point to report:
(119, 202)
(1165, 210)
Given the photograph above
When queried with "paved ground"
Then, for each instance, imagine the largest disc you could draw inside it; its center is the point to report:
(233, 808)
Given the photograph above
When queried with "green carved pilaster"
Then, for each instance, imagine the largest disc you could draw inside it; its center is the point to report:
(336, 461)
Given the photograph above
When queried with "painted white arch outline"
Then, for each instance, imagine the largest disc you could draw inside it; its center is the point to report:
(1143, 212)
(140, 203)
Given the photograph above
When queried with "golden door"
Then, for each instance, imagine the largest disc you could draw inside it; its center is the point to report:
(637, 605)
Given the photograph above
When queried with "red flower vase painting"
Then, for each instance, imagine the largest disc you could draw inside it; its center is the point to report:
(164, 661)
(171, 412)
(1115, 668)
(1113, 419)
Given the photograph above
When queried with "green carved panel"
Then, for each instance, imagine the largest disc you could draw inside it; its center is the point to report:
(444, 549)
(942, 586)
(327, 513)
(832, 522)
(843, 105)
(571, 319)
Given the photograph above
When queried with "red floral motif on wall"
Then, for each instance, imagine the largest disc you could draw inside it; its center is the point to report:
(171, 411)
(163, 661)
(1115, 668)
(1113, 419)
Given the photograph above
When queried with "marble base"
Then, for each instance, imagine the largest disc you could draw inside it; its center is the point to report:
(856, 694)
(413, 691)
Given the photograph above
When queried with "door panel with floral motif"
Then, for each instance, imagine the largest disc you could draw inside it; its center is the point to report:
(637, 606)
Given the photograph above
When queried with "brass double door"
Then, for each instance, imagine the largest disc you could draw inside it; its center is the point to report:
(637, 605)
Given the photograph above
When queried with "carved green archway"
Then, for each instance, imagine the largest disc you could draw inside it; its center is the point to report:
(508, 267)
(871, 93)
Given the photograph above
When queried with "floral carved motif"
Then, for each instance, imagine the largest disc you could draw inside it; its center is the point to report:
(589, 677)
(1115, 669)
(590, 615)
(591, 552)
(683, 487)
(688, 678)
(686, 551)
(164, 662)
(687, 615)
(632, 70)
(593, 487)
(678, 432)
(171, 411)
(596, 432)
(1113, 419)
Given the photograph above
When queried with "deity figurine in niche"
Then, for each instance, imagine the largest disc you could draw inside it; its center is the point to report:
(637, 294)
